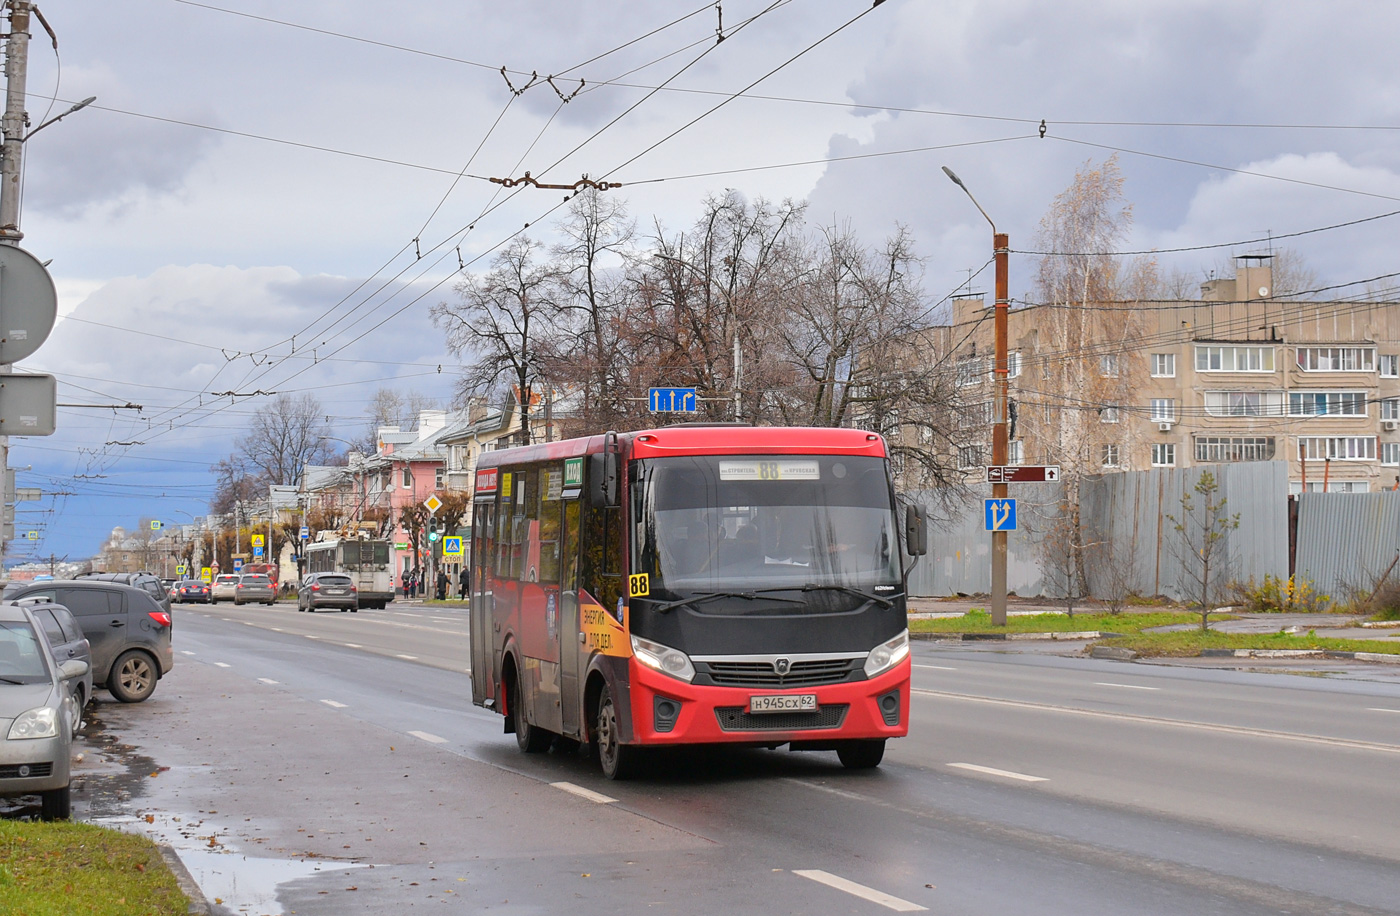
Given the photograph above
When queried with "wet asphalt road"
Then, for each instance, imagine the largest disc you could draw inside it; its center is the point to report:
(349, 773)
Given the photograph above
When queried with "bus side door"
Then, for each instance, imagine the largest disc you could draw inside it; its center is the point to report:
(481, 611)
(570, 636)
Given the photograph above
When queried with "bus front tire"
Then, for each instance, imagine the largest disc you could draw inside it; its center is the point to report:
(532, 740)
(862, 755)
(617, 760)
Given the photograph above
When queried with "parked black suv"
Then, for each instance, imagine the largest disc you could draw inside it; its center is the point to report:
(148, 582)
(127, 629)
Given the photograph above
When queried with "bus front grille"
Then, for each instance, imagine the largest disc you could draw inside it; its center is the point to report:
(760, 674)
(739, 719)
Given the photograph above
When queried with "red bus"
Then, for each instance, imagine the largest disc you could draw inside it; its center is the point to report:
(694, 585)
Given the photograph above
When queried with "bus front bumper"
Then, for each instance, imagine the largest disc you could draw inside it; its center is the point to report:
(666, 711)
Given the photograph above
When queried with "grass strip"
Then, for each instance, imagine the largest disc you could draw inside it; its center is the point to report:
(1190, 643)
(60, 869)
(980, 621)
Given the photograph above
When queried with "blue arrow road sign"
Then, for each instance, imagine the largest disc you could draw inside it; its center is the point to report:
(672, 400)
(1000, 514)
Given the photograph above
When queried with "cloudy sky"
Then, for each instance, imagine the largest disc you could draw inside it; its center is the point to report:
(254, 171)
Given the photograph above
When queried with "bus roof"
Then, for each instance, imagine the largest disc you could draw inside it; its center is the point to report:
(703, 439)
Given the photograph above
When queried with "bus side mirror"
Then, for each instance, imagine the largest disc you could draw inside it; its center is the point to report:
(915, 531)
(602, 480)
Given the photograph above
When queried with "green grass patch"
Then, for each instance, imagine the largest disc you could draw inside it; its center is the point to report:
(979, 621)
(58, 869)
(1190, 643)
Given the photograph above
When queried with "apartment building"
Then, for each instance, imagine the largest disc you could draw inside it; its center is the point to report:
(1239, 375)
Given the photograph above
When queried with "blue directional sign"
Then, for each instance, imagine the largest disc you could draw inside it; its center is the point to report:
(672, 400)
(237, 563)
(1000, 514)
(305, 532)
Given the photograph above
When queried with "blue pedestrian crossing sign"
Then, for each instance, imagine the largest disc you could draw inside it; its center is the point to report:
(1000, 514)
(671, 400)
(451, 547)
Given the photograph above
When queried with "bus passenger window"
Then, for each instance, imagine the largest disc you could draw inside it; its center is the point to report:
(550, 487)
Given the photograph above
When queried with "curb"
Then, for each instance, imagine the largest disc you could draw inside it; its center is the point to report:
(994, 637)
(198, 905)
(1384, 658)
(1116, 653)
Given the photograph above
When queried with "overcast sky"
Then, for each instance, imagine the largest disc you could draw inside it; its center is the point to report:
(254, 170)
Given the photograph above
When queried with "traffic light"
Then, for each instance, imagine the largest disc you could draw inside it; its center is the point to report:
(432, 528)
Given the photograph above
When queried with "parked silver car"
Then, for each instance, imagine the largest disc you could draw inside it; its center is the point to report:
(223, 588)
(254, 587)
(38, 714)
(334, 590)
(66, 641)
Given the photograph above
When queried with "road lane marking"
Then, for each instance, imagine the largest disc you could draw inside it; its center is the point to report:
(936, 667)
(353, 645)
(1380, 709)
(275, 629)
(1124, 686)
(581, 792)
(443, 619)
(859, 890)
(309, 636)
(222, 665)
(1174, 723)
(429, 737)
(993, 771)
(411, 658)
(334, 705)
(186, 652)
(266, 680)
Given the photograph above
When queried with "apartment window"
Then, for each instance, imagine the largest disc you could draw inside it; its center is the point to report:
(1108, 365)
(975, 416)
(1390, 453)
(971, 370)
(1390, 365)
(1164, 365)
(407, 477)
(1163, 410)
(1108, 456)
(1164, 455)
(1337, 448)
(1333, 486)
(970, 456)
(1016, 452)
(437, 477)
(1216, 449)
(1013, 364)
(1212, 358)
(1390, 409)
(1327, 403)
(1108, 413)
(1244, 403)
(1337, 359)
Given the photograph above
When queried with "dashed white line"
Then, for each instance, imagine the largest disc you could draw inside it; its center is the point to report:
(275, 629)
(936, 667)
(581, 792)
(309, 636)
(859, 890)
(222, 665)
(993, 771)
(353, 645)
(1380, 709)
(1124, 686)
(443, 619)
(412, 658)
(334, 705)
(429, 737)
(186, 652)
(266, 680)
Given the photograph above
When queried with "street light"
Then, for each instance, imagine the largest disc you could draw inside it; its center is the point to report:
(1001, 246)
(56, 118)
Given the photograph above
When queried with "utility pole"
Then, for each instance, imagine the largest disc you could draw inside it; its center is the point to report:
(13, 125)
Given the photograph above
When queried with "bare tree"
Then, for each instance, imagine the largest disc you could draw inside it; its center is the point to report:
(284, 437)
(393, 408)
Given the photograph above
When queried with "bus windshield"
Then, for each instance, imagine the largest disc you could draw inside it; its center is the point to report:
(710, 523)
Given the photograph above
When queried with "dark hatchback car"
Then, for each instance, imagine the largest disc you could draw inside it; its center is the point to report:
(334, 590)
(147, 582)
(191, 591)
(128, 630)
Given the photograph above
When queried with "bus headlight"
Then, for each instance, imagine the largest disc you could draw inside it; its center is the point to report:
(886, 655)
(668, 661)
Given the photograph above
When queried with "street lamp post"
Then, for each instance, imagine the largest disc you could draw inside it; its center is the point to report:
(1001, 245)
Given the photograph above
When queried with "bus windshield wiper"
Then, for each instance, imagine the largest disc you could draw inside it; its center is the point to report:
(710, 596)
(813, 587)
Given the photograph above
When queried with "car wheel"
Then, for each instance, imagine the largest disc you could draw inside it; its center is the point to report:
(861, 755)
(56, 804)
(618, 760)
(532, 740)
(133, 677)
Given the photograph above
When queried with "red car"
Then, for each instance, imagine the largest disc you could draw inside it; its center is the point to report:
(190, 591)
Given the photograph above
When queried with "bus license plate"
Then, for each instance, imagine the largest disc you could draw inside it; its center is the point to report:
(802, 702)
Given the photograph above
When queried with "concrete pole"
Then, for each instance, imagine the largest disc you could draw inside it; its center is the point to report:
(1001, 245)
(14, 121)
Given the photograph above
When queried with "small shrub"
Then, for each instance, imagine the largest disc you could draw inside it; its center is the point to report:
(1294, 595)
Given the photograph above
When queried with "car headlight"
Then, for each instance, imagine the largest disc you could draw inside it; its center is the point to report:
(668, 661)
(886, 655)
(37, 723)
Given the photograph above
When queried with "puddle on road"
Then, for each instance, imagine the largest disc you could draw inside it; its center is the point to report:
(240, 883)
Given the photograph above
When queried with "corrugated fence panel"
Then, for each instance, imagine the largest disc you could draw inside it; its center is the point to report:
(1347, 540)
(959, 560)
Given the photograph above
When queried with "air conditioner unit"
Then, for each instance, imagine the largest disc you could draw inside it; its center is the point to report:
(1164, 427)
(1388, 425)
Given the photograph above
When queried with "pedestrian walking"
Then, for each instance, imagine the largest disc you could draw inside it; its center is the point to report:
(463, 582)
(442, 585)
(404, 581)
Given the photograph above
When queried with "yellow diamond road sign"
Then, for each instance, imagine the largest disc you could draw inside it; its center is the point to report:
(433, 504)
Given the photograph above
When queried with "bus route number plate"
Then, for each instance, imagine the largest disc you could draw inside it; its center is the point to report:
(802, 702)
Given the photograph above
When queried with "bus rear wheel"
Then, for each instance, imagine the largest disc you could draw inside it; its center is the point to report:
(532, 740)
(618, 760)
(862, 755)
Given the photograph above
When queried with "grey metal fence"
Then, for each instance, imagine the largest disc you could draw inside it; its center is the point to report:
(1347, 540)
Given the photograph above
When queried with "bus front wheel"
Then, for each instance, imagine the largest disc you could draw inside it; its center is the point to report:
(532, 740)
(862, 755)
(618, 760)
